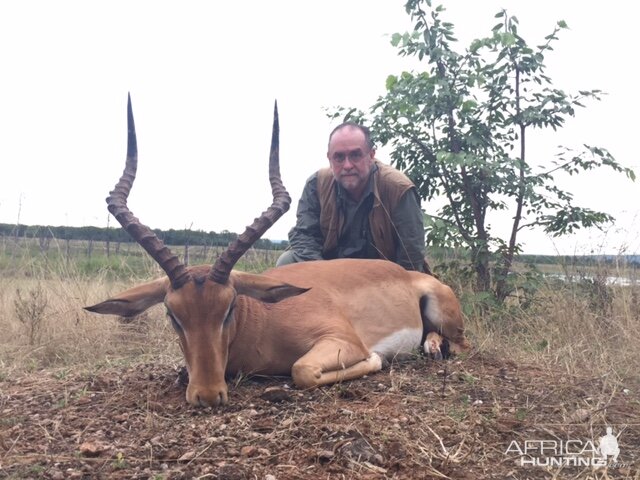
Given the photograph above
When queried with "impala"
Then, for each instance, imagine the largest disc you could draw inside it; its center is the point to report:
(320, 322)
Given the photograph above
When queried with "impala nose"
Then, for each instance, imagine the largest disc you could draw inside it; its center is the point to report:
(207, 397)
(218, 400)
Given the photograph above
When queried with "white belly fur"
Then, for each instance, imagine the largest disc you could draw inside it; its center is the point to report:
(402, 341)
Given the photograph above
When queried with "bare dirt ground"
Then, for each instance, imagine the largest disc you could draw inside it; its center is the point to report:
(416, 420)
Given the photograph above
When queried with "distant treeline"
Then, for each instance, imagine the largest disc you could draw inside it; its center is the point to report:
(97, 234)
(444, 255)
(581, 260)
(212, 239)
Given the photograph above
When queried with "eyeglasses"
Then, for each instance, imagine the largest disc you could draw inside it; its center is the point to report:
(354, 156)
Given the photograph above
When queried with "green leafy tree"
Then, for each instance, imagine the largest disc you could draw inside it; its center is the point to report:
(459, 130)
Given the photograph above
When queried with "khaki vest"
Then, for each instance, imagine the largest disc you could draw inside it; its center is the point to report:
(389, 185)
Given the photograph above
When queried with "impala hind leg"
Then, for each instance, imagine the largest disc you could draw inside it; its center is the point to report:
(444, 326)
(439, 348)
(331, 361)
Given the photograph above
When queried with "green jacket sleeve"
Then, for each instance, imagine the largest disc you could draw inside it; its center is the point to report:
(407, 218)
(305, 239)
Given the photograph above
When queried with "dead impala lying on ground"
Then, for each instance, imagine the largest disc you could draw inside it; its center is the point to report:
(321, 322)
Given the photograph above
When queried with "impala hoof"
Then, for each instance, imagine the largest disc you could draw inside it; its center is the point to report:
(437, 356)
(437, 347)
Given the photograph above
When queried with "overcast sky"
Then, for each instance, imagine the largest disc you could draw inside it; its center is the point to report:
(203, 76)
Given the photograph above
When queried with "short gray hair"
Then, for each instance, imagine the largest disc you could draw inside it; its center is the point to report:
(362, 128)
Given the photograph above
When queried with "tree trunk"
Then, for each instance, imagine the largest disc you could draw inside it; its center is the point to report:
(481, 265)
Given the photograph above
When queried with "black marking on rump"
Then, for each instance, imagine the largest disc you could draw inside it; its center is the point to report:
(428, 327)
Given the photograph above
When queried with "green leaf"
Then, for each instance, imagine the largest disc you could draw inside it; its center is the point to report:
(469, 105)
(392, 80)
(508, 39)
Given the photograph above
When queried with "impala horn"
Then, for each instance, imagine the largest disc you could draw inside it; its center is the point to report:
(143, 235)
(281, 200)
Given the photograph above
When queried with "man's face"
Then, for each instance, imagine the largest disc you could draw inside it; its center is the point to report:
(351, 160)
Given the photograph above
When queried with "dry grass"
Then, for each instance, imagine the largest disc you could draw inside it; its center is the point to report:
(42, 295)
(581, 325)
(63, 335)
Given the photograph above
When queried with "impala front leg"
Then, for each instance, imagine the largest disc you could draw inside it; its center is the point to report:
(332, 361)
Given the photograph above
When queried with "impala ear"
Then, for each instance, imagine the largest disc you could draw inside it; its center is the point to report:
(134, 301)
(264, 288)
